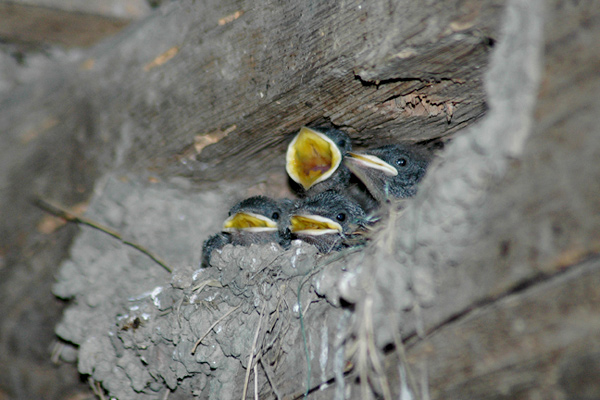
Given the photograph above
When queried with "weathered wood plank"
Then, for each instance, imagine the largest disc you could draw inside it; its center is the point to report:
(34, 28)
(122, 9)
(542, 341)
(252, 73)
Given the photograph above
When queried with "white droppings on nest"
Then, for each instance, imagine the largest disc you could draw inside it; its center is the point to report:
(196, 274)
(154, 296)
(210, 298)
(294, 258)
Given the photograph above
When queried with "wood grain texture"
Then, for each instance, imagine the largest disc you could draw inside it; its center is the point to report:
(35, 28)
(275, 68)
(541, 341)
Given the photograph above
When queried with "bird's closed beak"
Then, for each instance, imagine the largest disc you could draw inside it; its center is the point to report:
(249, 222)
(312, 157)
(313, 225)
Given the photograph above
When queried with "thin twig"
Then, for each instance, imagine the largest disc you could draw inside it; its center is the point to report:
(267, 265)
(96, 388)
(362, 362)
(209, 282)
(270, 378)
(277, 313)
(303, 330)
(256, 381)
(70, 217)
(306, 308)
(372, 351)
(92, 385)
(411, 382)
(57, 349)
(212, 326)
(251, 356)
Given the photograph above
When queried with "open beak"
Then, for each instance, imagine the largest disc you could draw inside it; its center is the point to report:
(369, 161)
(373, 172)
(312, 157)
(249, 222)
(313, 225)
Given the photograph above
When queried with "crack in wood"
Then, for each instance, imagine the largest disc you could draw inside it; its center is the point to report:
(518, 288)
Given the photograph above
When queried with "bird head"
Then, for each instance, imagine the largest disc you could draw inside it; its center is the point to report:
(391, 171)
(255, 214)
(326, 213)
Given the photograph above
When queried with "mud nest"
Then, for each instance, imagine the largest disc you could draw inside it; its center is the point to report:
(242, 325)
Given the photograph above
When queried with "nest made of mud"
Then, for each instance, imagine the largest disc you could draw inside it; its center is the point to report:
(260, 319)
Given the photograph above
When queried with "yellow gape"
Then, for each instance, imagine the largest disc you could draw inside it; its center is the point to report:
(314, 225)
(312, 157)
(249, 222)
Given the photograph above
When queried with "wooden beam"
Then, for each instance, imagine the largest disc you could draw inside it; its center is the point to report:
(34, 27)
(541, 341)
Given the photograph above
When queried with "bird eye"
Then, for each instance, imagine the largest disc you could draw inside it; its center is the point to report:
(341, 143)
(341, 217)
(401, 162)
(275, 216)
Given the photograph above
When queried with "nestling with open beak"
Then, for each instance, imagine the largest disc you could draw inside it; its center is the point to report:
(327, 220)
(257, 220)
(314, 160)
(390, 172)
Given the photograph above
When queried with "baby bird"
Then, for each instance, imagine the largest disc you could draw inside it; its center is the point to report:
(390, 172)
(327, 220)
(257, 220)
(314, 160)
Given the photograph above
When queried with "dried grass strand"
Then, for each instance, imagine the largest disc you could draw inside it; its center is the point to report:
(252, 350)
(212, 326)
(70, 217)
